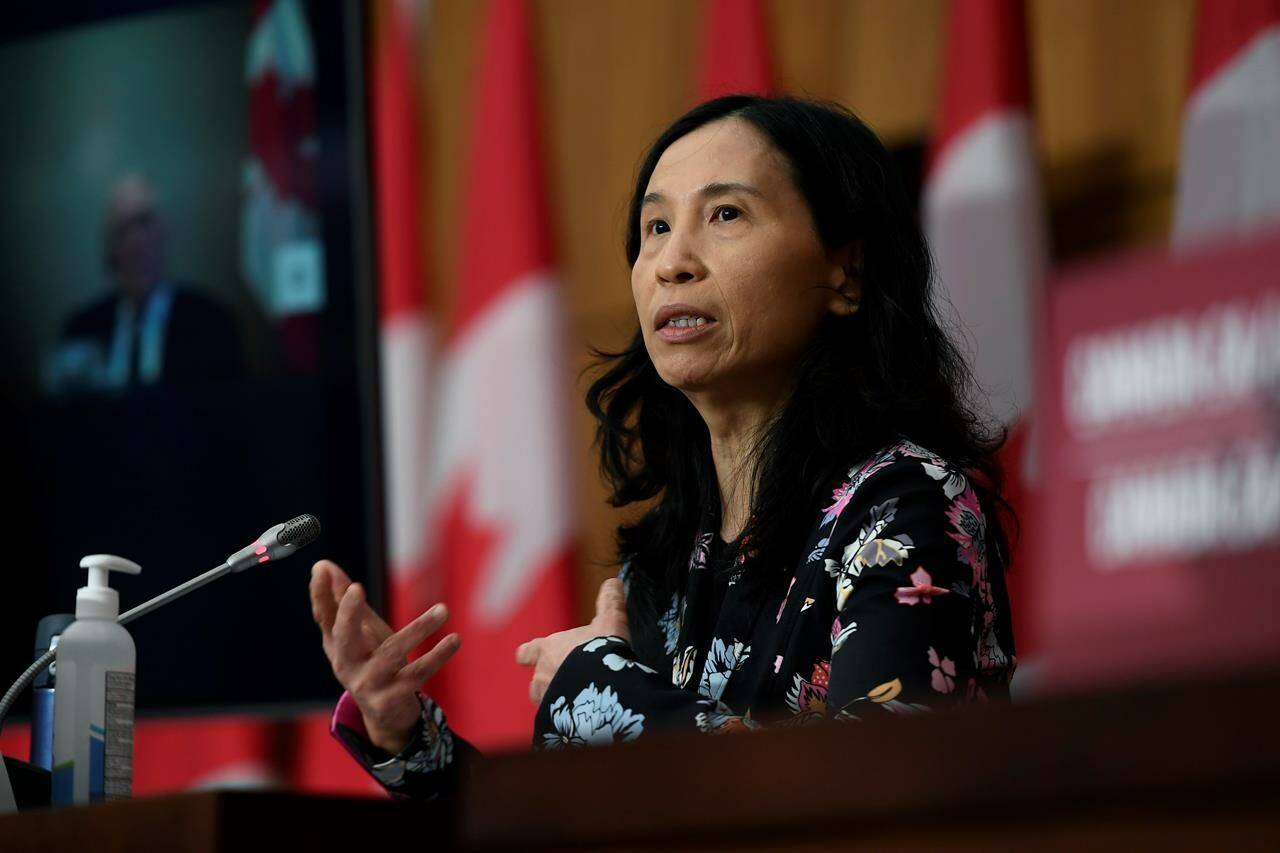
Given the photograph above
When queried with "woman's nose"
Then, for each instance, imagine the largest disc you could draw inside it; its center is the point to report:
(680, 262)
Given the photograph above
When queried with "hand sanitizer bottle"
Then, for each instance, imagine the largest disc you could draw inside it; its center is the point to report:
(93, 705)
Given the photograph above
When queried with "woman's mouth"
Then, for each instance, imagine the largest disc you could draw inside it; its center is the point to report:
(677, 323)
(685, 328)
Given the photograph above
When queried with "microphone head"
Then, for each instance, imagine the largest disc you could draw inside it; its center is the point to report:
(276, 543)
(299, 531)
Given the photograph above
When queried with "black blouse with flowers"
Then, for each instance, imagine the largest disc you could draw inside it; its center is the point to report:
(891, 609)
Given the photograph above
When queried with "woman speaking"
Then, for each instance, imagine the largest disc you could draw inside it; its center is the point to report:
(823, 540)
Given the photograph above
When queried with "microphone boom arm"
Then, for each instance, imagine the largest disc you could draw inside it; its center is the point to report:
(276, 543)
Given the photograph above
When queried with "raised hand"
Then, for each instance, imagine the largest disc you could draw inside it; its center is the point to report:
(370, 660)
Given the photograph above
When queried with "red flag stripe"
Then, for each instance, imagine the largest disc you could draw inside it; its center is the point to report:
(397, 149)
(506, 230)
(1223, 28)
(987, 50)
(735, 54)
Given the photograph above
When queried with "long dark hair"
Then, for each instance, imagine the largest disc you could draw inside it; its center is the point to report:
(887, 371)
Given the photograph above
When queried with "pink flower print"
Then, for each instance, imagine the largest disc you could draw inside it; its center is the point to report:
(783, 605)
(969, 531)
(840, 498)
(821, 675)
(921, 592)
(701, 549)
(810, 697)
(944, 672)
(857, 476)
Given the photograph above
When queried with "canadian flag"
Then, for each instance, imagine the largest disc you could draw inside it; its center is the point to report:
(1229, 174)
(735, 54)
(479, 461)
(281, 256)
(408, 338)
(984, 218)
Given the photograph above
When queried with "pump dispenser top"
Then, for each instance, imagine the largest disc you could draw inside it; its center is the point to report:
(98, 600)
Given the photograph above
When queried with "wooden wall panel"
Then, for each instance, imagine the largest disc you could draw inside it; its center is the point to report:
(1108, 76)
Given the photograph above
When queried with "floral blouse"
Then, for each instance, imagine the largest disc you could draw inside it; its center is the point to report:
(890, 609)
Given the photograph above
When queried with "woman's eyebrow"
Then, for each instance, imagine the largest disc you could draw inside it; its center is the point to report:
(712, 189)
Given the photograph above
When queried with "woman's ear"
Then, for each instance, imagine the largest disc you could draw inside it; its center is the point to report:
(846, 281)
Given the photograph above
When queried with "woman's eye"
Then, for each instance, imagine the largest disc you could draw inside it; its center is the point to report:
(653, 223)
(724, 208)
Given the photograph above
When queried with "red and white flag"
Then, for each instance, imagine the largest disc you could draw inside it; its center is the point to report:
(408, 339)
(281, 254)
(735, 52)
(1229, 174)
(498, 504)
(985, 221)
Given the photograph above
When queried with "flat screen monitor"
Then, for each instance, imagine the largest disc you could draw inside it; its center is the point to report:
(188, 329)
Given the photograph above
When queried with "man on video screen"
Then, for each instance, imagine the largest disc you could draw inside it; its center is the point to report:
(149, 330)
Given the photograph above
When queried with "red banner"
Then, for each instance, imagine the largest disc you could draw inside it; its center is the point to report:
(1162, 467)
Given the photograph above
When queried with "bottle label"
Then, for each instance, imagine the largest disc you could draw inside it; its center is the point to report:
(117, 738)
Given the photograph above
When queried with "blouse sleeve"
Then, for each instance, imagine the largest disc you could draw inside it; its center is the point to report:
(914, 624)
(427, 768)
(602, 694)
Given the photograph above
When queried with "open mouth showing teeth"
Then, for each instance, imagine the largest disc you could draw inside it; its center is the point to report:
(685, 322)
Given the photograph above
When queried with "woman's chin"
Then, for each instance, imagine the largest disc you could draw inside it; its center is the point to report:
(690, 380)
(684, 380)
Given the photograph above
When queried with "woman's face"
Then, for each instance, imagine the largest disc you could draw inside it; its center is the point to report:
(732, 281)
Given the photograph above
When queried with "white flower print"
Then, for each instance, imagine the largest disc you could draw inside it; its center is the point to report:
(723, 661)
(867, 549)
(840, 633)
(682, 667)
(437, 740)
(669, 625)
(844, 585)
(599, 643)
(953, 481)
(617, 663)
(909, 448)
(595, 718)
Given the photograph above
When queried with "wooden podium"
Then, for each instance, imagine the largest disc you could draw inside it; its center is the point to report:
(1186, 768)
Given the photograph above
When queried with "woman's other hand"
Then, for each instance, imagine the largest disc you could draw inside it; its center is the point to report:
(370, 660)
(545, 654)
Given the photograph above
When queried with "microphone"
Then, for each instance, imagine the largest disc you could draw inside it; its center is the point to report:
(276, 543)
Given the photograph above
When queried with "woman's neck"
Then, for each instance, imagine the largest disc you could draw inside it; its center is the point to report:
(735, 429)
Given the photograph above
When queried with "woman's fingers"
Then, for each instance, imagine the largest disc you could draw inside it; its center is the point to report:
(338, 579)
(349, 647)
(527, 653)
(372, 637)
(323, 607)
(428, 665)
(336, 582)
(377, 626)
(396, 648)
